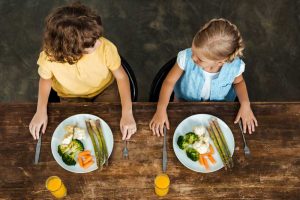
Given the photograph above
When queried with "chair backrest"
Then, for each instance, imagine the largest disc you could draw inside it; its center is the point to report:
(132, 79)
(53, 97)
(159, 79)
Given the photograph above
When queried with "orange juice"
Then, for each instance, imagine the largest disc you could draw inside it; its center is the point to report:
(162, 183)
(55, 185)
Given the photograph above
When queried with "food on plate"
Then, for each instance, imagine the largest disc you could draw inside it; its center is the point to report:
(197, 147)
(201, 146)
(69, 128)
(69, 152)
(191, 137)
(187, 140)
(220, 143)
(95, 131)
(67, 138)
(85, 159)
(79, 133)
(192, 154)
(71, 144)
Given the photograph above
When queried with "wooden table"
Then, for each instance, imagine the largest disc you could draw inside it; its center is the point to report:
(272, 173)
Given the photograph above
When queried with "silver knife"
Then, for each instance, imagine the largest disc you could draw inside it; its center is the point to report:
(165, 159)
(38, 150)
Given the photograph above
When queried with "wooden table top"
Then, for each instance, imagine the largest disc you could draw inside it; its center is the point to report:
(273, 172)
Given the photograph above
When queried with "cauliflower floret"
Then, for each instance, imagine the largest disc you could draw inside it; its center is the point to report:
(201, 146)
(200, 130)
(69, 129)
(79, 133)
(67, 138)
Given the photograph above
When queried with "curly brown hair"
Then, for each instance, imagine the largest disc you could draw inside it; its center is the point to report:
(69, 30)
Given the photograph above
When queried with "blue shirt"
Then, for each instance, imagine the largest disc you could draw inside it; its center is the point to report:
(190, 84)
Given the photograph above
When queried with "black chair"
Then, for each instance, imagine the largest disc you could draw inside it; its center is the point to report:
(53, 97)
(159, 79)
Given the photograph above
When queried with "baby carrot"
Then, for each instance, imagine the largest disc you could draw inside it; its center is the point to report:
(84, 153)
(80, 161)
(205, 164)
(87, 159)
(211, 158)
(88, 164)
(201, 160)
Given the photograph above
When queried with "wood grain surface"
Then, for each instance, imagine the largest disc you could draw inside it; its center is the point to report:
(273, 172)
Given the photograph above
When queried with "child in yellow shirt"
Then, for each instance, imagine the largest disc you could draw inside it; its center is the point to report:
(80, 65)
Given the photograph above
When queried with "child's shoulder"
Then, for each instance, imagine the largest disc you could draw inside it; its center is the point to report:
(43, 59)
(184, 52)
(237, 63)
(106, 44)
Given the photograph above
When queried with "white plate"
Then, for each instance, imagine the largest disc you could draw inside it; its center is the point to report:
(80, 121)
(186, 126)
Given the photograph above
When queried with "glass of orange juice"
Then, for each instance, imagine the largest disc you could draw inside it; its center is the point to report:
(162, 183)
(55, 185)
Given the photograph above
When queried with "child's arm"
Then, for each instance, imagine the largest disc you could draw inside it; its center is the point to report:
(40, 118)
(160, 117)
(245, 111)
(127, 123)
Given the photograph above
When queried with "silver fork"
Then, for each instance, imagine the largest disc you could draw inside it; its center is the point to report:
(125, 150)
(246, 148)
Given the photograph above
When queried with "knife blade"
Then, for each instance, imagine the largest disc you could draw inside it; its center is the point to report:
(165, 159)
(38, 150)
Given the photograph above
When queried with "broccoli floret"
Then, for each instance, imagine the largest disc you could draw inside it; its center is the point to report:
(76, 145)
(192, 154)
(69, 159)
(61, 149)
(182, 143)
(68, 152)
(191, 138)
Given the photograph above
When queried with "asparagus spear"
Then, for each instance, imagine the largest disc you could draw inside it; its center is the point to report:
(99, 128)
(96, 148)
(221, 145)
(102, 153)
(216, 124)
(212, 136)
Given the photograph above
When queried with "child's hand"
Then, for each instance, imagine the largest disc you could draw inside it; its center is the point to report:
(39, 120)
(158, 121)
(127, 126)
(248, 118)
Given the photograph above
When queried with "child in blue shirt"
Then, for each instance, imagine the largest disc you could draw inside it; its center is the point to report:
(211, 70)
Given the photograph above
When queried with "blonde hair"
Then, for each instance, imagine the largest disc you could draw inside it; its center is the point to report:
(219, 39)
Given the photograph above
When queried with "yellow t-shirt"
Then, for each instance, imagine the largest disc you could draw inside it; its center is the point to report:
(86, 78)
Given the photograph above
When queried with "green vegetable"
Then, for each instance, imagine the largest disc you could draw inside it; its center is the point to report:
(182, 143)
(69, 159)
(192, 154)
(191, 138)
(214, 139)
(104, 146)
(220, 133)
(97, 150)
(68, 152)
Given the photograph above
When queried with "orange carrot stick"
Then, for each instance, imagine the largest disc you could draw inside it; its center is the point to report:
(87, 159)
(80, 161)
(201, 160)
(211, 158)
(205, 164)
(84, 153)
(211, 149)
(88, 164)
